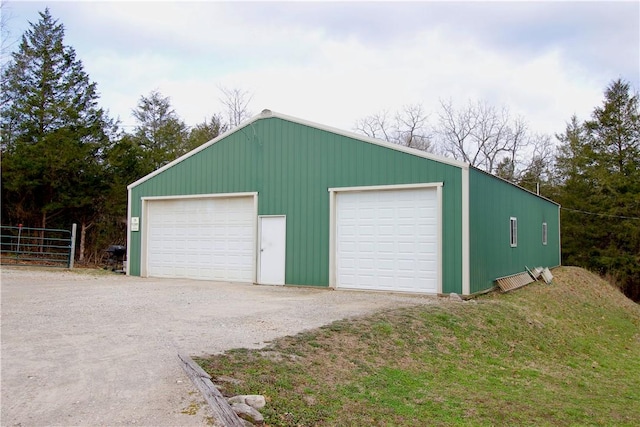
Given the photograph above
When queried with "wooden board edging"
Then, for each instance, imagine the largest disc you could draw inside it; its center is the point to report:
(223, 414)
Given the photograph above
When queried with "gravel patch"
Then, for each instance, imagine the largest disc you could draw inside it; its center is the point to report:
(95, 348)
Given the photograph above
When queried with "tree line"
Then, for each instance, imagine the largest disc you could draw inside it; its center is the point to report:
(64, 160)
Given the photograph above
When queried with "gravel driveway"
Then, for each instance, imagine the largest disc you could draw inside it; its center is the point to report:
(93, 348)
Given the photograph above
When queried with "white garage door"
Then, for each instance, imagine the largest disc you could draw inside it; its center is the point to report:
(209, 238)
(387, 240)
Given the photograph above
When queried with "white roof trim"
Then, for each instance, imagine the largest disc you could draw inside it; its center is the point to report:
(268, 114)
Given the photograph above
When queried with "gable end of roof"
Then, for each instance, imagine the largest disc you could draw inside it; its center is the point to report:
(267, 114)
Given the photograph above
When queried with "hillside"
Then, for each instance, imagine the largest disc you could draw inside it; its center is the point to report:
(561, 354)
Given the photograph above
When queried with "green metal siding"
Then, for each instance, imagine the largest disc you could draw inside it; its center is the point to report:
(492, 202)
(292, 166)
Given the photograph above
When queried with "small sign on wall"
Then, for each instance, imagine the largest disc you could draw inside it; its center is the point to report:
(135, 223)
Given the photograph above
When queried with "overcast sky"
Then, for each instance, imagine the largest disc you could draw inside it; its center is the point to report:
(336, 62)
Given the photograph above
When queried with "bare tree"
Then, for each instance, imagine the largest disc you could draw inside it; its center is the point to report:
(236, 102)
(455, 130)
(518, 140)
(375, 126)
(481, 135)
(411, 127)
(537, 166)
(407, 127)
(5, 37)
(530, 160)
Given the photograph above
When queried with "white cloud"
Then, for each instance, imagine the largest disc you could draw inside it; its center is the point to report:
(337, 62)
(350, 80)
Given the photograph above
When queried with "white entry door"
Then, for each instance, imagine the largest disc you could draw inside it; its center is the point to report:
(273, 237)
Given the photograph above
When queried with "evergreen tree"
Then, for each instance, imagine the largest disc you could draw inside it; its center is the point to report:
(160, 132)
(506, 169)
(614, 131)
(53, 133)
(205, 132)
(599, 165)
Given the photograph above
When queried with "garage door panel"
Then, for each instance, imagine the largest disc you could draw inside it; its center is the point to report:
(367, 263)
(348, 231)
(406, 248)
(209, 238)
(426, 229)
(427, 248)
(386, 230)
(386, 264)
(406, 265)
(348, 248)
(387, 240)
(386, 249)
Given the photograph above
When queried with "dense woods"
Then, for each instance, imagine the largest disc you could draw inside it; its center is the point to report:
(64, 160)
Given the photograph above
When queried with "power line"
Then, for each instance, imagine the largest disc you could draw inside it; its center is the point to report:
(600, 214)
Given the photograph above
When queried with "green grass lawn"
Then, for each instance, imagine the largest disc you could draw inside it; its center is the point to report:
(561, 354)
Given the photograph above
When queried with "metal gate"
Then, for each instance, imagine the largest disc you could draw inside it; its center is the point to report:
(44, 247)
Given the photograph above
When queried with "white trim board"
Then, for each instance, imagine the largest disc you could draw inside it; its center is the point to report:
(387, 187)
(200, 196)
(466, 243)
(129, 235)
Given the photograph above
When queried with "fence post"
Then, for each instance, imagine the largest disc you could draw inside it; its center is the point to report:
(19, 234)
(72, 253)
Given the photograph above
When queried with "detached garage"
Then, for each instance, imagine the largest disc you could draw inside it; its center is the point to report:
(280, 200)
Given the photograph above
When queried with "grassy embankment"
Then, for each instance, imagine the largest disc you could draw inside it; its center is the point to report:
(561, 354)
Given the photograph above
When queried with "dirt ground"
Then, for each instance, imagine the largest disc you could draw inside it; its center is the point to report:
(84, 348)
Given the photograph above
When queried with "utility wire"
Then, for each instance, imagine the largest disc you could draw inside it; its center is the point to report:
(599, 214)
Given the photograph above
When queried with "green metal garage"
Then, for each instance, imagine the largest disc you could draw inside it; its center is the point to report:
(280, 200)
